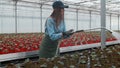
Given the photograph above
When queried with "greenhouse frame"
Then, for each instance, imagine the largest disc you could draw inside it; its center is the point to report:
(34, 13)
(29, 16)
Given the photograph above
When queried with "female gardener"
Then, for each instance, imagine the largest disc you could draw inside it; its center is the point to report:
(54, 31)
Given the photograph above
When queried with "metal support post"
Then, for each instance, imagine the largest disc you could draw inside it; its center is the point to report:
(110, 21)
(103, 23)
(90, 18)
(118, 22)
(77, 19)
(41, 18)
(16, 16)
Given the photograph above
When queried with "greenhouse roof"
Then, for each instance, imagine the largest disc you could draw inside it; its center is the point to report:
(94, 5)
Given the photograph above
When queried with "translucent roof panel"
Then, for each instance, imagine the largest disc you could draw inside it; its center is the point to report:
(76, 1)
(38, 1)
(111, 5)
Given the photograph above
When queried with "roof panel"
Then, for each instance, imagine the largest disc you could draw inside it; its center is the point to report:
(111, 5)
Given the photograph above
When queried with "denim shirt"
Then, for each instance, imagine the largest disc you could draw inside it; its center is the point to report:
(51, 29)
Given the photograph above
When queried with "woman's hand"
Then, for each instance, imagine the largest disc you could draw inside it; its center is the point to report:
(68, 33)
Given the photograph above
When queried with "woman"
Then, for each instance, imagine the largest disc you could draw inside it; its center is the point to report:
(54, 31)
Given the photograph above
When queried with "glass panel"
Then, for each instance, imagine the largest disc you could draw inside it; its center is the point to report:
(7, 20)
(28, 19)
(70, 19)
(83, 21)
(114, 22)
(45, 14)
(108, 21)
(95, 20)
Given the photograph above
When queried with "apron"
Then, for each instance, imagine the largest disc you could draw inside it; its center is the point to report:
(48, 47)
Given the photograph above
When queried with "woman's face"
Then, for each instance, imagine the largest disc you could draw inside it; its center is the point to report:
(62, 12)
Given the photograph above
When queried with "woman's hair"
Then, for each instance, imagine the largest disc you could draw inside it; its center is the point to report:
(56, 14)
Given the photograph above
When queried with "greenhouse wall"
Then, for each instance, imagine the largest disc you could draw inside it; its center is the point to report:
(31, 18)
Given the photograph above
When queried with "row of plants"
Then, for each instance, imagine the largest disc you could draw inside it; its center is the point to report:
(108, 57)
(23, 42)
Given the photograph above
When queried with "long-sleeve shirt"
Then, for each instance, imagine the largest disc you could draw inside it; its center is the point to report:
(51, 29)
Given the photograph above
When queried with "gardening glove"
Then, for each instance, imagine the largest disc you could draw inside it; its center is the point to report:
(68, 33)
